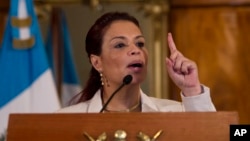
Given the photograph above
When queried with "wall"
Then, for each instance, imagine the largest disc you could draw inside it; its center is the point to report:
(215, 35)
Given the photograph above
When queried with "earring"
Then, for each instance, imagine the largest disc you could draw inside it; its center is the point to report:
(102, 80)
(102, 83)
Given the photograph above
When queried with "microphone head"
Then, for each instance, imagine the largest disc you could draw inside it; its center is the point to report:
(127, 79)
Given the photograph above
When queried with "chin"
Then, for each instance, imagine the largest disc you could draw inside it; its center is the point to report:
(137, 80)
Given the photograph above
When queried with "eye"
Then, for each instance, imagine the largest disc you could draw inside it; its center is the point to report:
(120, 45)
(140, 44)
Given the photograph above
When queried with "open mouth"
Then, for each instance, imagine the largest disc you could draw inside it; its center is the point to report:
(136, 65)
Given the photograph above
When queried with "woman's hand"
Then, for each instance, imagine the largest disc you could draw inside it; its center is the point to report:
(182, 71)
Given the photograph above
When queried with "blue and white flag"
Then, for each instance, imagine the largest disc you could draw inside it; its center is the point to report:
(26, 81)
(71, 84)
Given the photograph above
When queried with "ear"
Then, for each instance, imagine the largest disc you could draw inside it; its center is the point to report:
(96, 62)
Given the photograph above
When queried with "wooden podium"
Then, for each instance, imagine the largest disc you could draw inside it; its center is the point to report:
(171, 126)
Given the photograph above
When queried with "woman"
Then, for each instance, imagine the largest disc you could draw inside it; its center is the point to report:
(116, 47)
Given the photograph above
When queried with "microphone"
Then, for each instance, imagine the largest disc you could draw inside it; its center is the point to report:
(126, 80)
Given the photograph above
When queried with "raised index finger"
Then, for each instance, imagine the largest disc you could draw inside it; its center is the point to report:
(171, 43)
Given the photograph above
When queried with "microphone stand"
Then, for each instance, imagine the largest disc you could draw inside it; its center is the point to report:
(106, 104)
(126, 80)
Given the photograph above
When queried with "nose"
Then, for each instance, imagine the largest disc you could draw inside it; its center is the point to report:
(134, 50)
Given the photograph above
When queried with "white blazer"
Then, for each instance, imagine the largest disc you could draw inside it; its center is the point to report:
(200, 102)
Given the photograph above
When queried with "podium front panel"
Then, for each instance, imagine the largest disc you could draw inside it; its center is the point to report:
(171, 126)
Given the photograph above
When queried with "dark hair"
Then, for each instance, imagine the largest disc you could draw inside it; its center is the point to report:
(93, 45)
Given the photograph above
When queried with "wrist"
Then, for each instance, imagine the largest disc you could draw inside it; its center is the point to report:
(193, 91)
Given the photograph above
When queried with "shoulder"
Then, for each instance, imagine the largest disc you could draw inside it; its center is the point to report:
(93, 105)
(77, 108)
(164, 102)
(167, 104)
(161, 105)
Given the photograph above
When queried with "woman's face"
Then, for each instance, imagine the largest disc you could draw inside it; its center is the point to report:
(123, 53)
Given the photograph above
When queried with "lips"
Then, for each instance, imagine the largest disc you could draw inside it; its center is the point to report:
(139, 65)
(136, 66)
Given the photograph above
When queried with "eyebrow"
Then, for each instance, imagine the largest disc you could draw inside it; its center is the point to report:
(122, 37)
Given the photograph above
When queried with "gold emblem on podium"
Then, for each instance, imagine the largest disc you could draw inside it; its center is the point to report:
(102, 137)
(120, 135)
(144, 137)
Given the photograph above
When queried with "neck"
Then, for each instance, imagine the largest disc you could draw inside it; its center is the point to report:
(124, 100)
